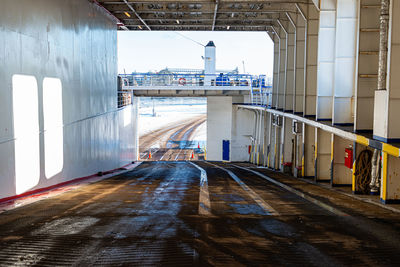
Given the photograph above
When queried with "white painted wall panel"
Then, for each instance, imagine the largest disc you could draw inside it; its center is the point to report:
(380, 113)
(394, 70)
(325, 80)
(367, 64)
(326, 59)
(341, 174)
(242, 128)
(347, 8)
(366, 107)
(326, 44)
(73, 41)
(345, 63)
(300, 63)
(324, 155)
(328, 4)
(323, 112)
(283, 70)
(344, 76)
(346, 36)
(393, 181)
(309, 151)
(219, 125)
(387, 101)
(312, 56)
(288, 137)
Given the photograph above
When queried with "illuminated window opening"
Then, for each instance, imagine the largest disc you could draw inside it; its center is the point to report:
(26, 132)
(53, 126)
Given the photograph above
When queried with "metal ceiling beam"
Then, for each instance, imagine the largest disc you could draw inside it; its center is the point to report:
(206, 7)
(137, 15)
(127, 21)
(201, 13)
(178, 27)
(187, 16)
(215, 14)
(189, 24)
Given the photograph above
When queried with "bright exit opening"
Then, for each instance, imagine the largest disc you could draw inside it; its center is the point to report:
(172, 129)
(173, 73)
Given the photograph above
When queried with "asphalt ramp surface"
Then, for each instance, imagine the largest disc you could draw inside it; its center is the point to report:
(180, 214)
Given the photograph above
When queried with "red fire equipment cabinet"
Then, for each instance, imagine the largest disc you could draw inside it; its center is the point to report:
(348, 157)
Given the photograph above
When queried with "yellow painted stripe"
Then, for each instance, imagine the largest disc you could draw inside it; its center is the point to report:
(332, 146)
(391, 150)
(362, 140)
(316, 144)
(353, 183)
(384, 175)
(316, 150)
(302, 167)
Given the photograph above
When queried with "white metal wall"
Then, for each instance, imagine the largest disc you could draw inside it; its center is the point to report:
(74, 43)
(326, 59)
(243, 125)
(219, 125)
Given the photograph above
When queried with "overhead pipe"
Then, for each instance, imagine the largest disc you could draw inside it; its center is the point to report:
(264, 137)
(375, 163)
(259, 136)
(383, 44)
(282, 144)
(255, 137)
(251, 156)
(276, 149)
(269, 139)
(264, 130)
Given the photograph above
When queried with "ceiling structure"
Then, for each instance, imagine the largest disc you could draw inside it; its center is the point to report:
(198, 15)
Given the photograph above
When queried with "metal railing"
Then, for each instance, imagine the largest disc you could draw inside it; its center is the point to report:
(259, 88)
(261, 94)
(124, 98)
(174, 79)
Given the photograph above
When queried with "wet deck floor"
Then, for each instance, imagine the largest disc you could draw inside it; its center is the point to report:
(166, 213)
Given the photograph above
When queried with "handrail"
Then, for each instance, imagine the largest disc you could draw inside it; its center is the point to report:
(259, 86)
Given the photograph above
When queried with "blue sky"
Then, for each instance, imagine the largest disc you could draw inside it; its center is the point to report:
(144, 51)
